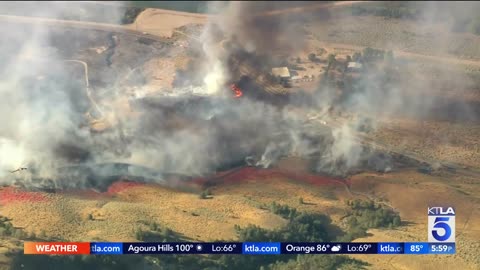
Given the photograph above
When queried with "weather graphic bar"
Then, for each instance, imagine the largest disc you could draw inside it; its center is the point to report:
(247, 248)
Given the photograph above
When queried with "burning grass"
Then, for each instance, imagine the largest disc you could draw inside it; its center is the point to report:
(111, 191)
(12, 194)
(233, 176)
(121, 186)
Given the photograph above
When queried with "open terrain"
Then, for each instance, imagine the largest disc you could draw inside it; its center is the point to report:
(116, 216)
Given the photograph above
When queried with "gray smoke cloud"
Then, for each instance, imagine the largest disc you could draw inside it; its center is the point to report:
(413, 89)
(43, 99)
(194, 130)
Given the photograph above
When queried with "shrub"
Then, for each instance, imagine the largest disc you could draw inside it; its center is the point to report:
(365, 214)
(42, 235)
(300, 200)
(139, 234)
(203, 195)
(154, 226)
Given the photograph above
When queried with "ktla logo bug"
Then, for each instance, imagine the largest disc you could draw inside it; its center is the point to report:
(441, 224)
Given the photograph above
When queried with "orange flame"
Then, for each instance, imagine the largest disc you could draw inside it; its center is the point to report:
(236, 90)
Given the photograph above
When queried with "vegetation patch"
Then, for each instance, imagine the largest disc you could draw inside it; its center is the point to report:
(366, 214)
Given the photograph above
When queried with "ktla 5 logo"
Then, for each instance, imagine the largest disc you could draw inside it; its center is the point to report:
(441, 224)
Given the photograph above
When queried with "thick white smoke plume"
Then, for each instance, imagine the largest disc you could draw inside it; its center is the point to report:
(42, 95)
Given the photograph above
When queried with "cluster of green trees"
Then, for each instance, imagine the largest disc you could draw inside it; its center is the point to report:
(366, 214)
(370, 54)
(301, 227)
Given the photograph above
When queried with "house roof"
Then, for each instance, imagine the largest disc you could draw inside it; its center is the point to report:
(281, 71)
(354, 65)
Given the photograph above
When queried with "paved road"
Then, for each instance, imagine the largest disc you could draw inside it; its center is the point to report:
(123, 29)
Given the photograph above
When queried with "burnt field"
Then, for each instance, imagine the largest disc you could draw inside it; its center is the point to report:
(236, 156)
(109, 55)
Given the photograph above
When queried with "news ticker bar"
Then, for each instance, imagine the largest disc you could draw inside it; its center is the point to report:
(252, 248)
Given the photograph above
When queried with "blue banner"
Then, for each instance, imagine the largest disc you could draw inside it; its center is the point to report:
(272, 248)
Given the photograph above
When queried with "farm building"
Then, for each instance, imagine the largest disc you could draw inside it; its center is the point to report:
(354, 66)
(281, 72)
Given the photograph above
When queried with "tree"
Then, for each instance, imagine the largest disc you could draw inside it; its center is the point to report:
(299, 60)
(131, 14)
(300, 200)
(356, 56)
(388, 56)
(396, 221)
(331, 59)
(154, 226)
(20, 234)
(9, 229)
(204, 194)
(349, 58)
(331, 77)
(475, 27)
(167, 234)
(312, 57)
(368, 53)
(139, 234)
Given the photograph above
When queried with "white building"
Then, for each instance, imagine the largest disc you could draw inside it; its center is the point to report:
(281, 72)
(354, 66)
